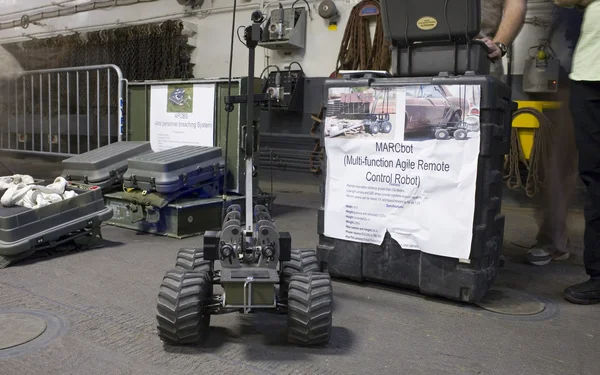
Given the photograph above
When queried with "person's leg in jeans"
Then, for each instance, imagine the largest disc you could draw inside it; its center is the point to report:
(552, 241)
(585, 108)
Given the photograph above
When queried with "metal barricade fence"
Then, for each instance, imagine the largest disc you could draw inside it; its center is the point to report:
(63, 111)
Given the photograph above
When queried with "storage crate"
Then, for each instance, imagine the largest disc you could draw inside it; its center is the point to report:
(24, 231)
(458, 279)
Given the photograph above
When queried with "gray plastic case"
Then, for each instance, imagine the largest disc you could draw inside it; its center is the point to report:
(105, 166)
(22, 229)
(170, 170)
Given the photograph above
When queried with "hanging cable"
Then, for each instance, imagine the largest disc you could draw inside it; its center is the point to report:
(356, 50)
(296, 63)
(239, 37)
(539, 157)
(307, 5)
(267, 68)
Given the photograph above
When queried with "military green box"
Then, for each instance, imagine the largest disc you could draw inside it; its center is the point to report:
(183, 218)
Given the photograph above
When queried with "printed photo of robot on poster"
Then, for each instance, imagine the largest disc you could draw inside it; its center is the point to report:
(428, 112)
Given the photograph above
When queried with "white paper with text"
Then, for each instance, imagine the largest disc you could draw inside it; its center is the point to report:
(404, 161)
(182, 114)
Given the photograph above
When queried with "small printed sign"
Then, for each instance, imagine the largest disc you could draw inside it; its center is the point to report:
(182, 114)
(427, 23)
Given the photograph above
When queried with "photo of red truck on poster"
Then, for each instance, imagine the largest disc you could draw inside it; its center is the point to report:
(429, 112)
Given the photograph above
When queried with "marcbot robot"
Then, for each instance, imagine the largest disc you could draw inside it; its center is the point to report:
(252, 262)
(379, 122)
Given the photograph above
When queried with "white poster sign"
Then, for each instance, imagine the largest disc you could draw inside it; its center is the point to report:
(182, 114)
(403, 160)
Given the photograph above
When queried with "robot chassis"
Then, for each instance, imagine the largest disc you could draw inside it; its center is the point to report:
(259, 270)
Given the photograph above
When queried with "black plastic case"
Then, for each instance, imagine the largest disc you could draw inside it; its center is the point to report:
(170, 170)
(409, 21)
(433, 36)
(105, 166)
(432, 274)
(429, 59)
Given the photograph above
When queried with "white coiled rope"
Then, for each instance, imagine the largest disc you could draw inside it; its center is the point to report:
(21, 191)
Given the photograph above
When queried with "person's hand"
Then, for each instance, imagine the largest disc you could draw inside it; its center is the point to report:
(495, 52)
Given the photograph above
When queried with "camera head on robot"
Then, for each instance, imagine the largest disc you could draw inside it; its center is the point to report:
(257, 16)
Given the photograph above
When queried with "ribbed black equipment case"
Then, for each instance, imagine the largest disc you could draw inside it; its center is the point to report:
(432, 274)
(105, 166)
(171, 170)
(431, 20)
(23, 229)
(434, 36)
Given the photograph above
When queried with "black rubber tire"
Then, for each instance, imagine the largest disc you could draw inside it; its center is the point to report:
(310, 309)
(375, 128)
(302, 261)
(387, 127)
(180, 313)
(441, 134)
(460, 134)
(190, 259)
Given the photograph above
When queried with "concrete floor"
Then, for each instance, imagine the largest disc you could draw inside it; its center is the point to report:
(103, 304)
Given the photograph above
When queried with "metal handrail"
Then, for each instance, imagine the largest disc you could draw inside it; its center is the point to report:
(63, 75)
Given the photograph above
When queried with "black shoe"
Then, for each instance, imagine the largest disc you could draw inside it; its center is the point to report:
(587, 293)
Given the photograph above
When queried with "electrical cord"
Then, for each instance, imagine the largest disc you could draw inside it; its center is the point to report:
(238, 35)
(228, 116)
(267, 68)
(297, 63)
(539, 158)
(307, 5)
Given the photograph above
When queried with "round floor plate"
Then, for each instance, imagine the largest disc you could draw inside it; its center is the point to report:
(18, 329)
(511, 302)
